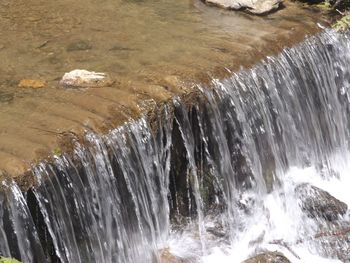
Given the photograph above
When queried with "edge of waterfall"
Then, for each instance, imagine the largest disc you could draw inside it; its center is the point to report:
(148, 143)
(189, 96)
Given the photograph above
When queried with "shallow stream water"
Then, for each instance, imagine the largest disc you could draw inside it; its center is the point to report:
(149, 48)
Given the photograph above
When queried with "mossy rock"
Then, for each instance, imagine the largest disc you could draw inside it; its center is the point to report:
(317, 203)
(57, 151)
(9, 260)
(326, 6)
(342, 24)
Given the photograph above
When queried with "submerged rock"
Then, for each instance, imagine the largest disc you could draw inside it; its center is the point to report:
(258, 7)
(80, 78)
(32, 83)
(268, 257)
(80, 45)
(6, 97)
(318, 203)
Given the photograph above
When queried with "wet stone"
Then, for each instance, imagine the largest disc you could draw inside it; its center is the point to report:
(80, 45)
(336, 246)
(257, 7)
(268, 257)
(317, 203)
(166, 256)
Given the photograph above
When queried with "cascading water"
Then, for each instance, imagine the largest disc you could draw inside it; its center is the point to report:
(213, 183)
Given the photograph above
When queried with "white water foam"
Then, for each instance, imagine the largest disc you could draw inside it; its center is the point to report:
(277, 222)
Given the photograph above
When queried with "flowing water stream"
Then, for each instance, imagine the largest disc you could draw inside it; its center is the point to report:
(214, 183)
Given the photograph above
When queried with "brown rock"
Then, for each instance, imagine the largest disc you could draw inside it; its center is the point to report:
(268, 257)
(166, 256)
(32, 83)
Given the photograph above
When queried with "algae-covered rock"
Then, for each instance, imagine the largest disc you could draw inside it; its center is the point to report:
(330, 5)
(342, 24)
(9, 260)
(166, 256)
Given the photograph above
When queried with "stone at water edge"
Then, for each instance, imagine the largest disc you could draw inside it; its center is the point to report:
(80, 78)
(166, 256)
(268, 257)
(317, 203)
(342, 24)
(32, 83)
(257, 7)
(334, 244)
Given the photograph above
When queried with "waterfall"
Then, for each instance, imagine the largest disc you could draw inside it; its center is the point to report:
(213, 181)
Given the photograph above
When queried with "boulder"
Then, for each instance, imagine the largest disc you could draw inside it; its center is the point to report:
(268, 257)
(80, 78)
(317, 203)
(257, 7)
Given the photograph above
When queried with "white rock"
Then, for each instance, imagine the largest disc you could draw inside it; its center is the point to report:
(80, 78)
(258, 7)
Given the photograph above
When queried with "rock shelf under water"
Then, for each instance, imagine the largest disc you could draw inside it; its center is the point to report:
(212, 182)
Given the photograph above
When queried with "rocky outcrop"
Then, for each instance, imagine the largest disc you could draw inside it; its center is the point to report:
(268, 257)
(257, 7)
(317, 203)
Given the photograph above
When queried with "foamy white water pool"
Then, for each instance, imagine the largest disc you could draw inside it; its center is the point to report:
(275, 223)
